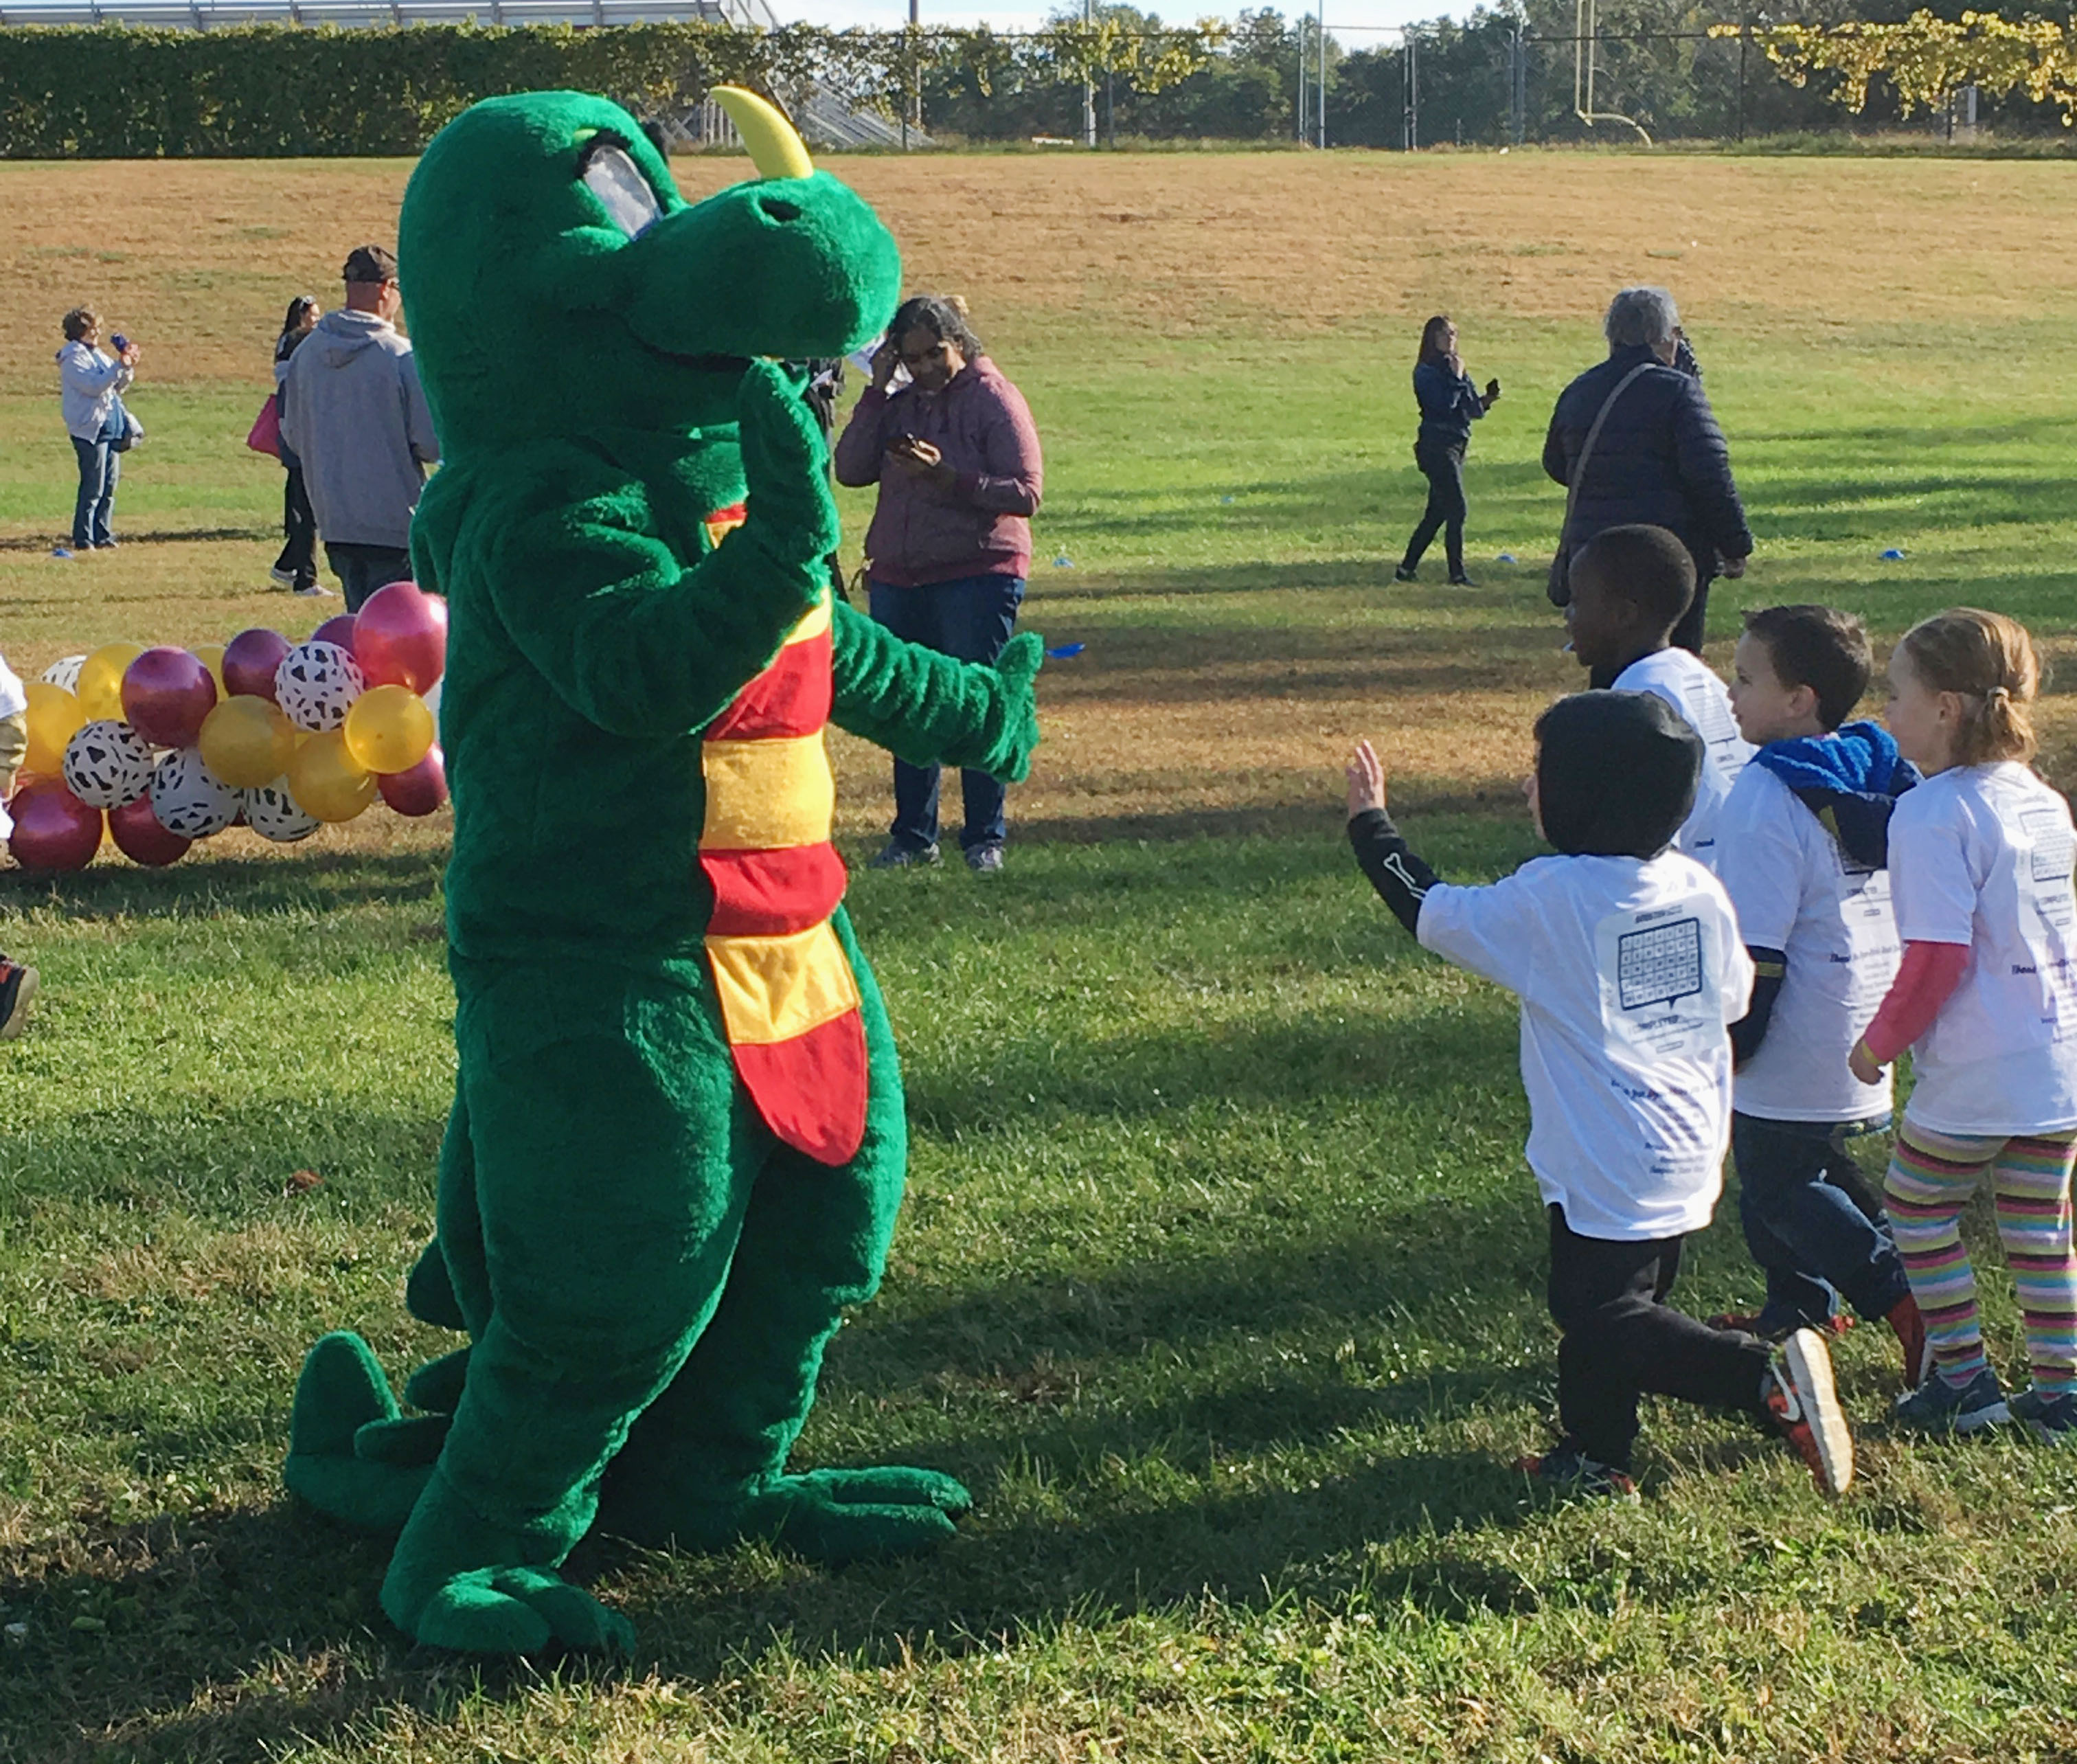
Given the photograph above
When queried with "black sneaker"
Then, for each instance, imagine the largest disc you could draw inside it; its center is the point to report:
(895, 855)
(2053, 1420)
(985, 859)
(1937, 1407)
(18, 990)
(1403, 574)
(1460, 579)
(1566, 1469)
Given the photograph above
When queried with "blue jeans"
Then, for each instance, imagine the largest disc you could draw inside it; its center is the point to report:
(98, 470)
(970, 619)
(363, 568)
(1811, 1222)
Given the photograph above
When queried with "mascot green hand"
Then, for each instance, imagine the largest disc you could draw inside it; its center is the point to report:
(677, 1144)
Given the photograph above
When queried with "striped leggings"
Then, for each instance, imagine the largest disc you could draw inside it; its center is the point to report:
(1931, 1178)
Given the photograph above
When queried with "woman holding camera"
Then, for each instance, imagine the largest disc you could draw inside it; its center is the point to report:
(1449, 404)
(91, 384)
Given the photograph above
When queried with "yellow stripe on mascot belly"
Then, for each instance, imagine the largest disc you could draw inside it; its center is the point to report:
(677, 1146)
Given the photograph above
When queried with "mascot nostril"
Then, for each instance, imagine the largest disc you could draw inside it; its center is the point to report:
(677, 1142)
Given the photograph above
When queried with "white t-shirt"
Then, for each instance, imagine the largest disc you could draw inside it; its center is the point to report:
(1982, 855)
(1682, 680)
(13, 700)
(1796, 891)
(1629, 973)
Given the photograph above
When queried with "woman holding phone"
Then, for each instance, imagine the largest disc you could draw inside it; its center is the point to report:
(955, 454)
(1449, 404)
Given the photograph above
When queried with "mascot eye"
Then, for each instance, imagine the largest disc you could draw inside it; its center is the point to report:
(614, 179)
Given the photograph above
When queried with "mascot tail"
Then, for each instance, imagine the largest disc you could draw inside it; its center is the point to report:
(352, 1453)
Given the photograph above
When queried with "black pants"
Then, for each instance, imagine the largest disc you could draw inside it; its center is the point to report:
(299, 531)
(1622, 1340)
(1444, 469)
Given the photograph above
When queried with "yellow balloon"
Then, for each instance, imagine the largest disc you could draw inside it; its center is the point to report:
(247, 741)
(54, 717)
(389, 729)
(210, 655)
(326, 779)
(100, 689)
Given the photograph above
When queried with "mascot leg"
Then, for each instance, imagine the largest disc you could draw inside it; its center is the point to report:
(352, 1454)
(612, 1161)
(704, 1467)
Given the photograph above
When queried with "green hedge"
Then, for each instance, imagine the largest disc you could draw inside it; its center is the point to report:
(116, 92)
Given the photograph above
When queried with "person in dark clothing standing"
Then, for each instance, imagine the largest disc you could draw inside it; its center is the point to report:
(1449, 404)
(1659, 458)
(297, 567)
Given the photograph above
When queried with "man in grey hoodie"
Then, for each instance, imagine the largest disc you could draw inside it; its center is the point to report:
(352, 412)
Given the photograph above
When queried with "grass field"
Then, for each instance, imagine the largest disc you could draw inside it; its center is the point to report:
(1220, 1277)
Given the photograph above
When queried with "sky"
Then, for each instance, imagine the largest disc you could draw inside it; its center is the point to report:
(1355, 23)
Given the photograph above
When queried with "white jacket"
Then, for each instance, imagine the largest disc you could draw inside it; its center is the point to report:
(90, 382)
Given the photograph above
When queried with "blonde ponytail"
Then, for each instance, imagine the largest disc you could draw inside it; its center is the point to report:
(1989, 661)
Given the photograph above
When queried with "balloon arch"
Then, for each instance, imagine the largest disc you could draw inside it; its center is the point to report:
(160, 747)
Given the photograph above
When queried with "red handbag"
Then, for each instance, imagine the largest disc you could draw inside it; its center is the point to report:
(266, 434)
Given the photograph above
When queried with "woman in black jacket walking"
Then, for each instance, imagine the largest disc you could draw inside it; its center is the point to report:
(1449, 404)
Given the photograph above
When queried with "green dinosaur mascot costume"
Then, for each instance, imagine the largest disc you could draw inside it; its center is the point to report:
(677, 1145)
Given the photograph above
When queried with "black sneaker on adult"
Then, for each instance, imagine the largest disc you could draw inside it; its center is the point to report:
(895, 855)
(985, 859)
(18, 990)
(1802, 1406)
(1566, 1469)
(1401, 573)
(281, 578)
(1462, 581)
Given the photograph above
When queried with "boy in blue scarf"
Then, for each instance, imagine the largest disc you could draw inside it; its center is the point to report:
(1803, 850)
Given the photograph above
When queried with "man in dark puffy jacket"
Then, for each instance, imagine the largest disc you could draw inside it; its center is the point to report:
(1659, 459)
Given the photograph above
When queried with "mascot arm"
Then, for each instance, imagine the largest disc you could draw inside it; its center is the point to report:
(634, 640)
(626, 635)
(930, 710)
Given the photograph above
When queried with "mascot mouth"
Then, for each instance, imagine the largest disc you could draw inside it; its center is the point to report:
(707, 363)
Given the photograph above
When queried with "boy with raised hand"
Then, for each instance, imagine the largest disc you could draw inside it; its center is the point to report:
(1626, 959)
(1631, 584)
(1803, 850)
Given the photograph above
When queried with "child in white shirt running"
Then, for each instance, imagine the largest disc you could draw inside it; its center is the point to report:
(1802, 850)
(1626, 959)
(1631, 584)
(1986, 998)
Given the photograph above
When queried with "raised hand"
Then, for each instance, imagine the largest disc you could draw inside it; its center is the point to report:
(1365, 772)
(785, 462)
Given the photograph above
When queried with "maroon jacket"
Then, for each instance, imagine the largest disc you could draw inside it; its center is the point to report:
(981, 525)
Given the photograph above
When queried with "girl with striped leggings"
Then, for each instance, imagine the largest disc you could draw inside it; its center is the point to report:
(1980, 862)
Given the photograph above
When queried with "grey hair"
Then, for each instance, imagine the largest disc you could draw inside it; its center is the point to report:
(1641, 315)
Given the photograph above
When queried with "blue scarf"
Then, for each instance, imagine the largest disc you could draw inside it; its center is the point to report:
(1849, 779)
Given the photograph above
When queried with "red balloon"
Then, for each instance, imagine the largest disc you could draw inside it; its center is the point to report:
(420, 790)
(250, 661)
(400, 637)
(166, 693)
(137, 835)
(339, 629)
(53, 829)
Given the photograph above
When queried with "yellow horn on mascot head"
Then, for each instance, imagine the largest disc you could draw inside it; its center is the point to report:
(775, 147)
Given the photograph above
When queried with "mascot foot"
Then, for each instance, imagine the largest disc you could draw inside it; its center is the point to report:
(458, 1581)
(828, 1515)
(517, 1611)
(342, 1397)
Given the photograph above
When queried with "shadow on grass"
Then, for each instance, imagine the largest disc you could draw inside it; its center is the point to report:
(160, 536)
(245, 886)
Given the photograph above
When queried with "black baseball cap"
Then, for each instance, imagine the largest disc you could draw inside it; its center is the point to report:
(370, 263)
